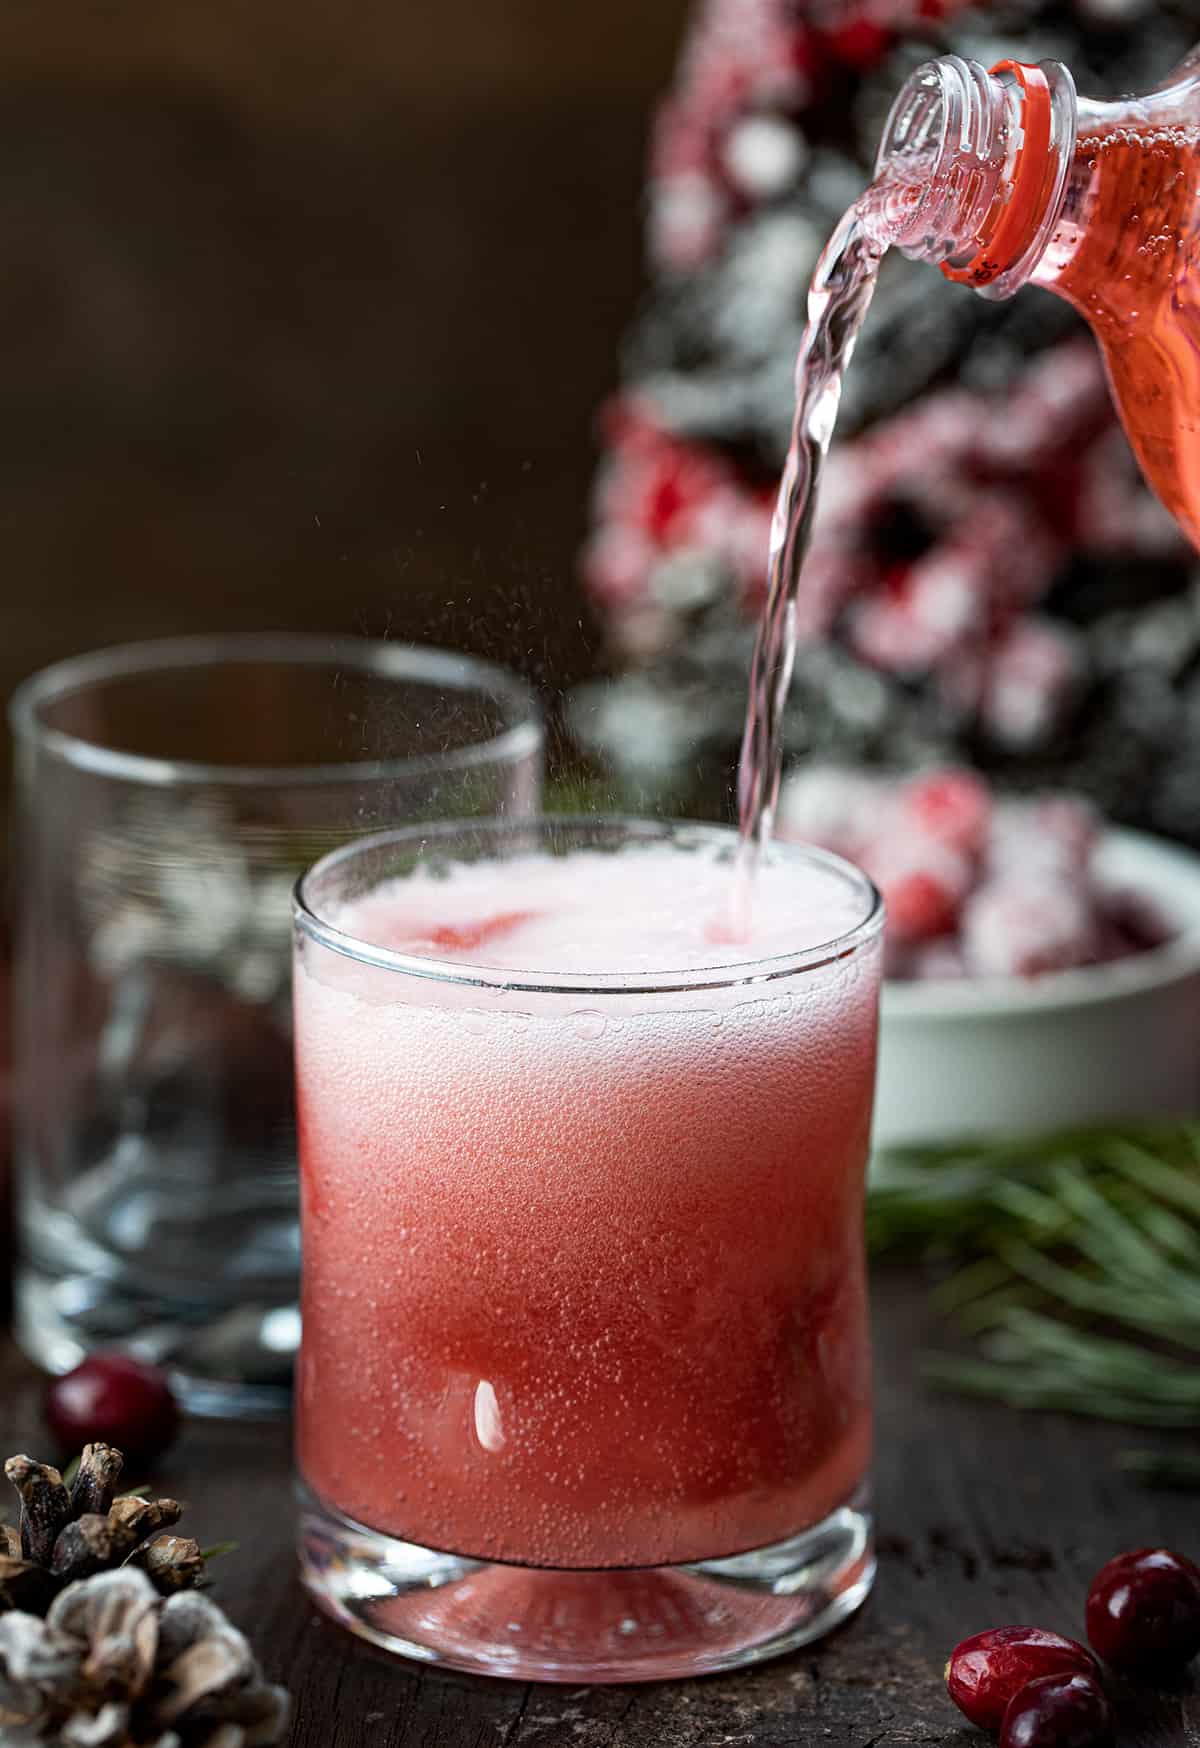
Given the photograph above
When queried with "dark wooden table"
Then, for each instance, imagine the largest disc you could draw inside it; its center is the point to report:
(986, 1516)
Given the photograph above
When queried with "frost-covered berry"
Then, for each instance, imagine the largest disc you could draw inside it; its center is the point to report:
(1026, 928)
(923, 881)
(764, 157)
(953, 806)
(832, 806)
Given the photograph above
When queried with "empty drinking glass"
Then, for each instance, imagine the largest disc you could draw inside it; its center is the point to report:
(168, 795)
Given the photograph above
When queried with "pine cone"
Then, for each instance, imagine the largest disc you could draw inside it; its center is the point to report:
(114, 1665)
(71, 1533)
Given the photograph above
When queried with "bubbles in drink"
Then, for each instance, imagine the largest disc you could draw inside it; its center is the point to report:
(652, 908)
(548, 1232)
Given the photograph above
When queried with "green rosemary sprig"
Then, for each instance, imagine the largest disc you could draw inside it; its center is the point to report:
(1077, 1274)
(1162, 1468)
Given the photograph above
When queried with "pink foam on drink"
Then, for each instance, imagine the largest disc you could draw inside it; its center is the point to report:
(583, 1274)
(649, 909)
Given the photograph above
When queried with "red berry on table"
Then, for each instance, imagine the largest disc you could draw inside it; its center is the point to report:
(116, 1399)
(988, 1669)
(1143, 1611)
(1058, 1711)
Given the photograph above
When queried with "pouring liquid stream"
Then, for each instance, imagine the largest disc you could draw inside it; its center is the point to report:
(1002, 178)
(838, 300)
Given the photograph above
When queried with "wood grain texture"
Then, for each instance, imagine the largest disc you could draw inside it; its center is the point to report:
(305, 319)
(986, 1516)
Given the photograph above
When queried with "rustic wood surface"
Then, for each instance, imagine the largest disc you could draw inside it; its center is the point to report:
(356, 306)
(986, 1516)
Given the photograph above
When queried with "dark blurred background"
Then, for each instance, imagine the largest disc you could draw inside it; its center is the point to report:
(305, 313)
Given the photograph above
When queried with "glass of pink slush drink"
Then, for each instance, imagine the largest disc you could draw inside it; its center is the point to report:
(584, 1391)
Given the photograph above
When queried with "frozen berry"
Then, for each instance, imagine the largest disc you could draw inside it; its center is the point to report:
(1058, 1711)
(1054, 836)
(987, 1670)
(1134, 922)
(116, 1399)
(952, 806)
(860, 44)
(1035, 671)
(920, 906)
(763, 157)
(1071, 823)
(616, 564)
(832, 806)
(887, 629)
(935, 962)
(1143, 1611)
(1027, 927)
(923, 883)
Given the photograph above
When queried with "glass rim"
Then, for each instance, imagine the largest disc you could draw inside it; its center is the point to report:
(308, 921)
(399, 661)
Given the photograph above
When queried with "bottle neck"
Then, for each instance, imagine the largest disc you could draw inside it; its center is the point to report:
(973, 168)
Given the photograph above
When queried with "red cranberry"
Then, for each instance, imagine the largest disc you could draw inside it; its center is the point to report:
(952, 806)
(1143, 1610)
(985, 1671)
(115, 1398)
(920, 906)
(1058, 1711)
(859, 44)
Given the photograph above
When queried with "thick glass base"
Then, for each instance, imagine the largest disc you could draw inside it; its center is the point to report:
(222, 1360)
(622, 1624)
(187, 1254)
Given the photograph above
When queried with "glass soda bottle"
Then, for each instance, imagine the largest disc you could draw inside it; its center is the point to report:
(1007, 177)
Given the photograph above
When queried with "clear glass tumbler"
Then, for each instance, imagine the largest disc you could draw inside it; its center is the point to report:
(584, 1388)
(168, 795)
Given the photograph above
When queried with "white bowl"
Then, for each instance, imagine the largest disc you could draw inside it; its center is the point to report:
(1006, 1057)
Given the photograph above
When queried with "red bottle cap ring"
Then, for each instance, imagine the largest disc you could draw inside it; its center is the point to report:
(1008, 242)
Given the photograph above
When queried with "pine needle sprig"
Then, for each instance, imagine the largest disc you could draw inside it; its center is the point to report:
(1166, 1469)
(1077, 1277)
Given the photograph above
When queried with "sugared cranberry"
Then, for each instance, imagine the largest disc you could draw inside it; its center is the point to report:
(987, 1670)
(952, 806)
(1143, 1611)
(117, 1399)
(920, 905)
(1019, 927)
(923, 883)
(861, 43)
(1058, 1711)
